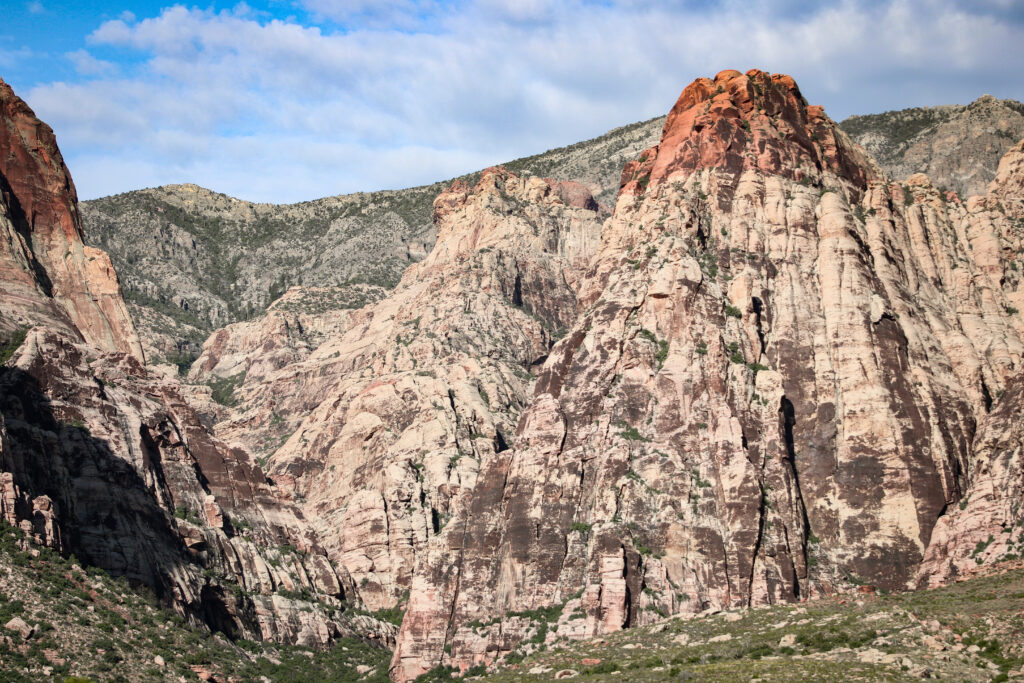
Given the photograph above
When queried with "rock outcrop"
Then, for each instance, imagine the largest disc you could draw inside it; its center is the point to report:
(772, 391)
(41, 248)
(102, 459)
(387, 420)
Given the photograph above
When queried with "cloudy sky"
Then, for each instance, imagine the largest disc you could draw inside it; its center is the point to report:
(285, 100)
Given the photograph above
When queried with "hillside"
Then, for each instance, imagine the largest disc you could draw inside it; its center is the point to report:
(957, 146)
(62, 619)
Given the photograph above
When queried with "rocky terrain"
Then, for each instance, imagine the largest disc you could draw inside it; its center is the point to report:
(957, 146)
(768, 374)
(770, 378)
(63, 621)
(772, 391)
(102, 459)
(969, 631)
(193, 260)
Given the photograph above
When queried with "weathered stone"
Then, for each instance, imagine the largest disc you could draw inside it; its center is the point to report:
(18, 625)
(771, 391)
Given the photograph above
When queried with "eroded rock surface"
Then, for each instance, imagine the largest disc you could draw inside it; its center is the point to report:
(771, 392)
(101, 458)
(388, 419)
(42, 257)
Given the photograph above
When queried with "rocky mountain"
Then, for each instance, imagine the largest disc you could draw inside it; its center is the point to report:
(957, 146)
(769, 373)
(774, 389)
(101, 459)
(193, 260)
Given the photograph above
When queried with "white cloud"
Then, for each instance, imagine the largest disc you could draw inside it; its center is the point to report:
(87, 65)
(275, 110)
(35, 7)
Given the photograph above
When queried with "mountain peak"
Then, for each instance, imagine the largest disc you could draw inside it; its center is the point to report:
(754, 120)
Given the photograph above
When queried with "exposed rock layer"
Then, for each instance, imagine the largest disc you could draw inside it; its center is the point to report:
(388, 419)
(772, 390)
(104, 460)
(41, 249)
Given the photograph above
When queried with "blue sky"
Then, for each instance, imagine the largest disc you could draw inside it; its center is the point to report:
(285, 100)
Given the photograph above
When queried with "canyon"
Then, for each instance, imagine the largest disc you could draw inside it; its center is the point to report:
(759, 370)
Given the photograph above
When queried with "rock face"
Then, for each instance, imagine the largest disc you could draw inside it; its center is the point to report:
(957, 146)
(41, 249)
(388, 419)
(102, 459)
(772, 390)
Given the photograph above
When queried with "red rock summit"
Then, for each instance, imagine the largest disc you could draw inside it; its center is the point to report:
(755, 120)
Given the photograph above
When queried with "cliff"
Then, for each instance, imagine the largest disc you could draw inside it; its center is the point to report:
(772, 391)
(102, 459)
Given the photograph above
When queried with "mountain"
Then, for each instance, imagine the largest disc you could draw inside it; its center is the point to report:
(772, 374)
(105, 461)
(957, 146)
(194, 260)
(774, 390)
(768, 374)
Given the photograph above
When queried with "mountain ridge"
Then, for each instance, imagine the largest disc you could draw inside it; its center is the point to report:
(368, 238)
(770, 374)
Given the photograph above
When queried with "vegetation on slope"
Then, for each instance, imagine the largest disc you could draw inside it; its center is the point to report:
(969, 631)
(87, 625)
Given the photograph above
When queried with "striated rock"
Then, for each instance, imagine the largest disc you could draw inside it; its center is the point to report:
(771, 374)
(42, 250)
(987, 525)
(771, 390)
(387, 418)
(1008, 185)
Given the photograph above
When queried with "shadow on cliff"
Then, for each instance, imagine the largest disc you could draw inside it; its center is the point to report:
(106, 513)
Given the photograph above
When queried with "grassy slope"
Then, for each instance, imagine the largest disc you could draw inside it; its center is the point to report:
(970, 631)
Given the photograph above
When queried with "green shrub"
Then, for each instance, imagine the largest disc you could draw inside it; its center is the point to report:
(12, 343)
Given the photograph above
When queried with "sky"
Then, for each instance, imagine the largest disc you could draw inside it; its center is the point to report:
(290, 100)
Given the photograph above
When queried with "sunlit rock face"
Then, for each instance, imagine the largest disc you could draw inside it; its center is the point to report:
(772, 389)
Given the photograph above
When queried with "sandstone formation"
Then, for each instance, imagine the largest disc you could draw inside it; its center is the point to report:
(771, 373)
(388, 419)
(771, 392)
(42, 257)
(101, 458)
